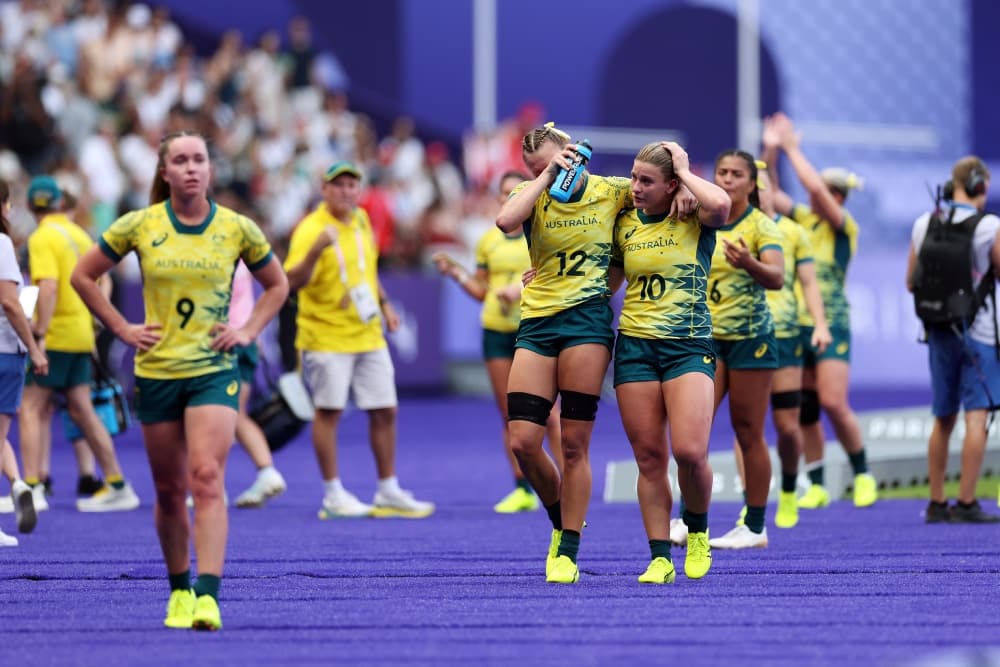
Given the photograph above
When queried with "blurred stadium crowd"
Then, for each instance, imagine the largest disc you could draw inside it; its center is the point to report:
(88, 88)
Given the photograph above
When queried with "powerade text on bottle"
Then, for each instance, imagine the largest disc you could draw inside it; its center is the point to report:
(566, 179)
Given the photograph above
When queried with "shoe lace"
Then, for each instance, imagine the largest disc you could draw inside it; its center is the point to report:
(698, 545)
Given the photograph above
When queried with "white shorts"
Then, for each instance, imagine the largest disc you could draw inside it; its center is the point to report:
(369, 377)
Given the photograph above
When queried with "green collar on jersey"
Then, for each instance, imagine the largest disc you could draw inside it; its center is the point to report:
(181, 228)
(726, 228)
(649, 219)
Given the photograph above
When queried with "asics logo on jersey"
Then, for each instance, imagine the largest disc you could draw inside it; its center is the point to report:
(159, 241)
(760, 351)
(630, 232)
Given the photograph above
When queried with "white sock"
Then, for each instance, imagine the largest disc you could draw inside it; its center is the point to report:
(389, 485)
(333, 486)
(261, 471)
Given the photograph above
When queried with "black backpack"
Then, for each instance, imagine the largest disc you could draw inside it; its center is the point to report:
(943, 291)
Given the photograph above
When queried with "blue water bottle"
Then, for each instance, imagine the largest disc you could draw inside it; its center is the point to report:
(562, 188)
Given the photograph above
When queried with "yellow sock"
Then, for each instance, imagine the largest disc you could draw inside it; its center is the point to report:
(116, 481)
(31, 481)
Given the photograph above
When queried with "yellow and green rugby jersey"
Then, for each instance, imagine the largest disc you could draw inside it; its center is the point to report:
(570, 245)
(832, 250)
(327, 319)
(783, 303)
(187, 280)
(53, 251)
(737, 301)
(666, 263)
(503, 258)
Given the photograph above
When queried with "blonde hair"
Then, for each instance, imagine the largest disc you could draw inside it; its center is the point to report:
(160, 190)
(658, 156)
(533, 140)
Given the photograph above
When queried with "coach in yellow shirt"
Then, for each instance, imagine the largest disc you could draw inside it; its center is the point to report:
(64, 327)
(333, 263)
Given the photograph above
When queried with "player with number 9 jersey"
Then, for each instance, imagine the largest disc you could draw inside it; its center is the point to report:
(187, 281)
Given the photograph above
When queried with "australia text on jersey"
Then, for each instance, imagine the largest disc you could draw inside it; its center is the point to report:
(196, 264)
(573, 222)
(649, 245)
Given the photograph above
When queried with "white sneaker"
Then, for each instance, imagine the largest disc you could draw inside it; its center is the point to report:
(269, 483)
(343, 505)
(7, 540)
(24, 506)
(7, 502)
(38, 495)
(401, 503)
(740, 537)
(110, 499)
(678, 532)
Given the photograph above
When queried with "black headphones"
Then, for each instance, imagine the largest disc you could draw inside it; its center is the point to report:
(975, 182)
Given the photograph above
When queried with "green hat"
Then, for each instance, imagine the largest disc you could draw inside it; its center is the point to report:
(43, 192)
(341, 167)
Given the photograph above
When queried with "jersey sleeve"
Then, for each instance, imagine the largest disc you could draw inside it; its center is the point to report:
(803, 249)
(8, 261)
(483, 252)
(254, 248)
(302, 239)
(617, 256)
(769, 237)
(122, 236)
(42, 259)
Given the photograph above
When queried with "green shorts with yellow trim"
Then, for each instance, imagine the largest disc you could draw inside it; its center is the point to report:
(790, 351)
(757, 353)
(66, 370)
(839, 349)
(662, 359)
(247, 358)
(165, 400)
(588, 322)
(498, 344)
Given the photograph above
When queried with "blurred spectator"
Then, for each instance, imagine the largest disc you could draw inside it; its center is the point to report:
(25, 126)
(88, 87)
(375, 199)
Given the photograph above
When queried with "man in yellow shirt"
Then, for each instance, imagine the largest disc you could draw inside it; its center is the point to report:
(64, 327)
(332, 262)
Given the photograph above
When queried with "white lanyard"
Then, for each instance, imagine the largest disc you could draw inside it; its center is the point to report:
(340, 255)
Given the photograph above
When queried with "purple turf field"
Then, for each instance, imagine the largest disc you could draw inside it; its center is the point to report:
(466, 586)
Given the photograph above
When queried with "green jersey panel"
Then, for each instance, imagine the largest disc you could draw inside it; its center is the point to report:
(505, 259)
(737, 302)
(187, 278)
(666, 263)
(833, 250)
(570, 245)
(783, 303)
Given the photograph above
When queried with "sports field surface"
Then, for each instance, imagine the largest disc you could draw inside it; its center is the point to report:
(466, 586)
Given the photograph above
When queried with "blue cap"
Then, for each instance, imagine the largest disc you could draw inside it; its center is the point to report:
(43, 192)
(342, 167)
